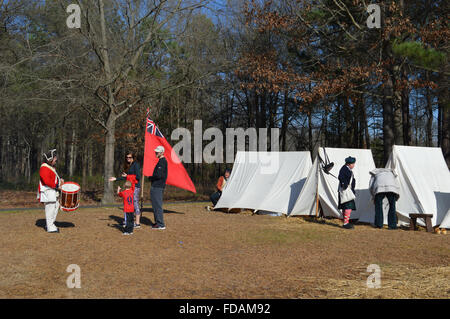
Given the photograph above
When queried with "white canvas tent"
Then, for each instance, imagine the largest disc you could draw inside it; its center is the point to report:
(266, 181)
(424, 184)
(324, 187)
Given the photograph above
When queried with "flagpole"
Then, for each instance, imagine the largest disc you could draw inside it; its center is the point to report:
(142, 174)
(142, 191)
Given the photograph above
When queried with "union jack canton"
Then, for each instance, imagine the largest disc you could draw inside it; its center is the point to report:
(153, 129)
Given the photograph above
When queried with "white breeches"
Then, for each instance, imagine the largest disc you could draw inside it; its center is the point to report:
(51, 210)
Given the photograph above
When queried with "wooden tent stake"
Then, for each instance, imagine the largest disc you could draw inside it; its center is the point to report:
(317, 189)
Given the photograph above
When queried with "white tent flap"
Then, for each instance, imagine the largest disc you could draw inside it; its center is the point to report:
(424, 183)
(266, 181)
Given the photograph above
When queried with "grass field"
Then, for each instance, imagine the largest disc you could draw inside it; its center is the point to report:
(205, 254)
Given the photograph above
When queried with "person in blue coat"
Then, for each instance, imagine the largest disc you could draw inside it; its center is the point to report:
(158, 179)
(345, 176)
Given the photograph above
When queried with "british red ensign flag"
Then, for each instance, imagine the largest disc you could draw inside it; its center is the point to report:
(177, 175)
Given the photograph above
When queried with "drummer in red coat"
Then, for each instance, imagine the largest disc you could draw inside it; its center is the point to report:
(49, 184)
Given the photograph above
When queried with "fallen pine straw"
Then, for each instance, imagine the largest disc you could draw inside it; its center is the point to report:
(398, 281)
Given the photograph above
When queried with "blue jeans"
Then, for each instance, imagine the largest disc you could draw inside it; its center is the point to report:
(129, 222)
(392, 216)
(215, 197)
(156, 196)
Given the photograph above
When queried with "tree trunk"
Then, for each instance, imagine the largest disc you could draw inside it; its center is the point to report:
(325, 125)
(90, 158)
(84, 164)
(72, 154)
(348, 136)
(28, 162)
(110, 141)
(439, 139)
(339, 122)
(429, 127)
(444, 105)
(2, 161)
(397, 110)
(406, 118)
(366, 128)
(446, 132)
(284, 121)
(388, 123)
(401, 95)
(358, 127)
(63, 156)
(310, 142)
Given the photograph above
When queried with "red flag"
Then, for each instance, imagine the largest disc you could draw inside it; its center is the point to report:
(176, 175)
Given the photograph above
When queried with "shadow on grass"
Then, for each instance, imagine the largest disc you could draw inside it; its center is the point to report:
(385, 227)
(322, 221)
(42, 223)
(146, 221)
(228, 211)
(120, 220)
(150, 210)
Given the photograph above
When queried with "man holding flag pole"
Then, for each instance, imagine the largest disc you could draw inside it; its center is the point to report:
(158, 180)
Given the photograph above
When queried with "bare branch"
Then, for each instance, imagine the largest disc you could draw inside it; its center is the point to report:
(94, 118)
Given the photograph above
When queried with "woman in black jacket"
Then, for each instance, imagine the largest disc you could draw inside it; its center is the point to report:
(345, 175)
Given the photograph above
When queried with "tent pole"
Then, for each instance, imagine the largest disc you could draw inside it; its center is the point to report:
(317, 204)
(143, 160)
(317, 186)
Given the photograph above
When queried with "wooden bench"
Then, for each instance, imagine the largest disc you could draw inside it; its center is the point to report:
(413, 222)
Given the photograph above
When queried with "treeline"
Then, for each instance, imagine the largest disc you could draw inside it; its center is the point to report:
(313, 69)
(364, 87)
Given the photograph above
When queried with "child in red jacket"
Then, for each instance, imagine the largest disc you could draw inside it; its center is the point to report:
(128, 207)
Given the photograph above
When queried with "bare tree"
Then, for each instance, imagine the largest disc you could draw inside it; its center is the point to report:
(124, 36)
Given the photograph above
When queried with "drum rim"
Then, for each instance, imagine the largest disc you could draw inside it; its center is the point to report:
(71, 192)
(70, 209)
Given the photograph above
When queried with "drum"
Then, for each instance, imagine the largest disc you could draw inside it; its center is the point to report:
(70, 196)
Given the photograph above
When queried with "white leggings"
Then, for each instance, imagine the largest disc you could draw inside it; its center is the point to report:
(51, 210)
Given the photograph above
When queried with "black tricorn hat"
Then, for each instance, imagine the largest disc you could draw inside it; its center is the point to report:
(50, 155)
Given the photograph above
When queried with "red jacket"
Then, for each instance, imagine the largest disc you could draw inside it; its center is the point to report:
(48, 176)
(127, 196)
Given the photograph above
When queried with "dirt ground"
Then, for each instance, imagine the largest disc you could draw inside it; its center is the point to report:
(10, 199)
(205, 254)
